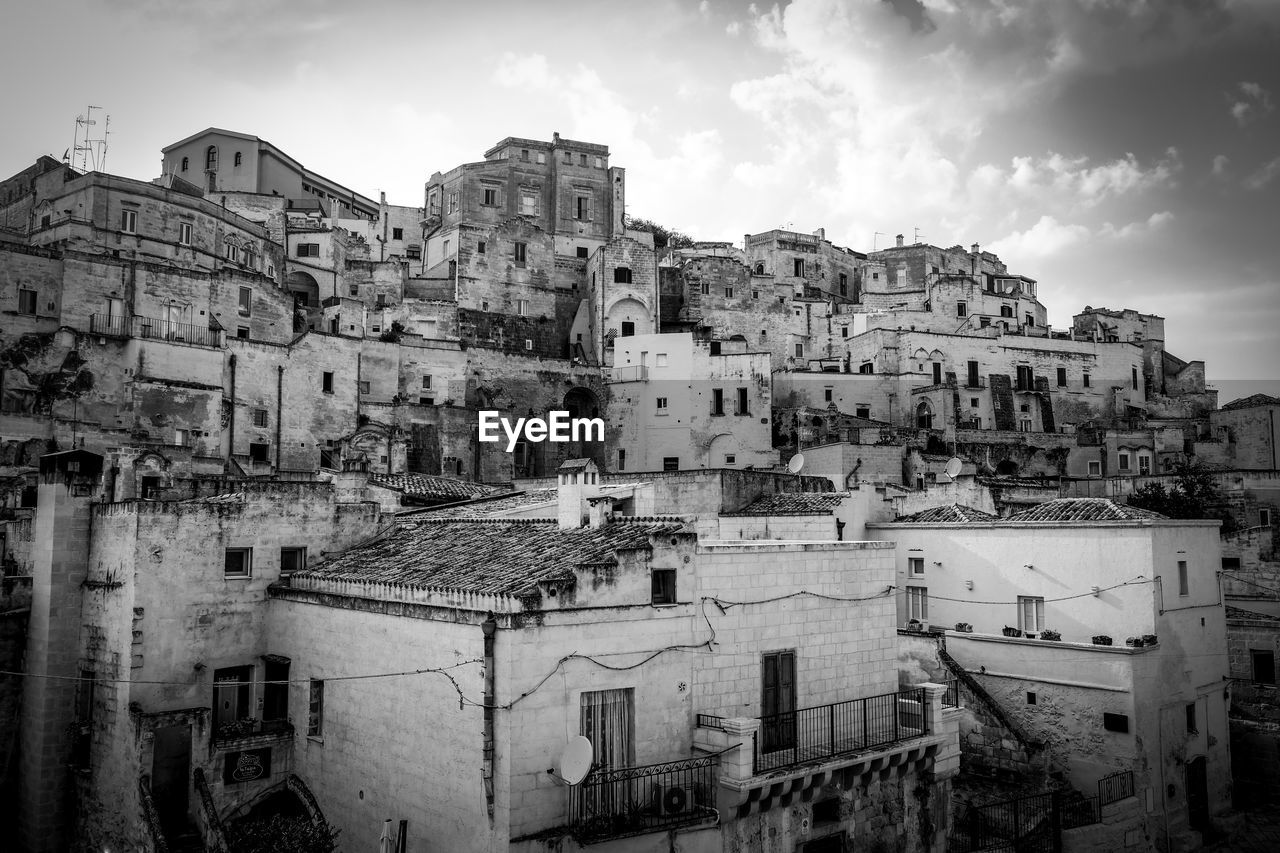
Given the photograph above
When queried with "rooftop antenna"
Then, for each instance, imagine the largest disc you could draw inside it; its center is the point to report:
(91, 152)
(875, 238)
(916, 238)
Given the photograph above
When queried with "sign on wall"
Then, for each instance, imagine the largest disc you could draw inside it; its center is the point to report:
(246, 766)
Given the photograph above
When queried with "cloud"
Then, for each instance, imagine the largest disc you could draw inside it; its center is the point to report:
(1051, 237)
(733, 28)
(1074, 177)
(1252, 103)
(1221, 165)
(1264, 175)
(1154, 222)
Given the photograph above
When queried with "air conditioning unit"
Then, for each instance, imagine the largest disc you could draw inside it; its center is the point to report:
(674, 799)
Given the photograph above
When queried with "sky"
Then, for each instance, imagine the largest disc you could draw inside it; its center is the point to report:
(1124, 153)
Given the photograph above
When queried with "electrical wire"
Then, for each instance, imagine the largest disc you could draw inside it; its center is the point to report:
(1139, 580)
(1235, 577)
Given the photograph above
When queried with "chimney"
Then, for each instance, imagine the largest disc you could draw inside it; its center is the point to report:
(598, 510)
(899, 241)
(976, 252)
(821, 233)
(577, 480)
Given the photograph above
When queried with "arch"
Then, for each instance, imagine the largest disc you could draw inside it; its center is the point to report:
(239, 159)
(921, 354)
(724, 451)
(186, 161)
(631, 311)
(211, 158)
(924, 415)
(937, 355)
(581, 403)
(305, 289)
(759, 269)
(1007, 468)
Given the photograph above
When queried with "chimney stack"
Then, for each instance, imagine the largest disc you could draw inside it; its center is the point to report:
(577, 480)
(899, 241)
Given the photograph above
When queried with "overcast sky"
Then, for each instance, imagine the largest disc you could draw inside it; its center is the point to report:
(1125, 153)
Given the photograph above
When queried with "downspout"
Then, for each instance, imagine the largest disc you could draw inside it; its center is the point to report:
(490, 629)
(231, 444)
(279, 410)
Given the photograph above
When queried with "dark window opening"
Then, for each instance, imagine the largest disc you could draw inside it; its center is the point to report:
(827, 811)
(622, 275)
(1191, 719)
(1031, 698)
(973, 374)
(326, 382)
(292, 560)
(259, 452)
(1116, 722)
(664, 586)
(582, 251)
(742, 402)
(628, 329)
(717, 401)
(1264, 666)
(231, 695)
(671, 463)
(1062, 377)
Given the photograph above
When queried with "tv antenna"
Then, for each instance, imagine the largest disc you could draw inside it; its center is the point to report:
(875, 237)
(916, 238)
(87, 150)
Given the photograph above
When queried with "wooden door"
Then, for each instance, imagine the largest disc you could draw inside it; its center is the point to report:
(778, 700)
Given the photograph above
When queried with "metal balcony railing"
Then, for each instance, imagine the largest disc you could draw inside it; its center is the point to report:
(627, 373)
(951, 699)
(842, 728)
(166, 330)
(636, 800)
(110, 325)
(1116, 787)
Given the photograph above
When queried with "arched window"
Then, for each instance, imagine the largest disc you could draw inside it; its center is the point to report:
(239, 158)
(186, 161)
(924, 415)
(1006, 311)
(622, 275)
(211, 158)
(760, 268)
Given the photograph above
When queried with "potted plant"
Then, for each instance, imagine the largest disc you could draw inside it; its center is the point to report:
(913, 625)
(1148, 639)
(1048, 634)
(1101, 640)
(964, 627)
(1135, 642)
(1011, 632)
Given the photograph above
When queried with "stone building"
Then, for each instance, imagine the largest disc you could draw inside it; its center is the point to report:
(1249, 432)
(1100, 628)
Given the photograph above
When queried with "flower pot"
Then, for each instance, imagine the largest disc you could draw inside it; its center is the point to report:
(1011, 632)
(1102, 640)
(1050, 635)
(1149, 639)
(964, 627)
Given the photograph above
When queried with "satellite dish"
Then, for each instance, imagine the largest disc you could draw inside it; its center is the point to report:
(954, 467)
(796, 464)
(575, 760)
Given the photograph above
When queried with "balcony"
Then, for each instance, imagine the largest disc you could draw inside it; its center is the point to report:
(627, 373)
(807, 735)
(638, 800)
(251, 732)
(119, 326)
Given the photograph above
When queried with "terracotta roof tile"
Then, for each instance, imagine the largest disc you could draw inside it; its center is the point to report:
(502, 557)
(795, 503)
(1084, 509)
(1253, 615)
(950, 514)
(490, 506)
(1251, 401)
(431, 486)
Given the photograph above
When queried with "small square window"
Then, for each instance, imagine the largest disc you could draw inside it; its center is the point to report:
(1031, 698)
(1116, 722)
(915, 566)
(26, 301)
(730, 459)
(238, 563)
(260, 417)
(671, 463)
(827, 811)
(1095, 468)
(292, 560)
(490, 197)
(664, 586)
(397, 233)
(364, 386)
(242, 332)
(129, 221)
(259, 451)
(662, 404)
(184, 233)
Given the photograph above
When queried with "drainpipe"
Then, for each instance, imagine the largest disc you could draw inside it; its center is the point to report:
(279, 410)
(490, 629)
(231, 444)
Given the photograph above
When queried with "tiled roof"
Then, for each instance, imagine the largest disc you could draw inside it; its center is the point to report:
(493, 557)
(490, 506)
(431, 486)
(796, 503)
(1253, 615)
(228, 498)
(950, 514)
(574, 464)
(1084, 509)
(1251, 402)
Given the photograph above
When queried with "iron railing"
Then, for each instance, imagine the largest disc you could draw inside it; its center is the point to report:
(951, 699)
(1116, 787)
(710, 721)
(823, 732)
(1079, 811)
(167, 330)
(110, 325)
(636, 800)
(1030, 824)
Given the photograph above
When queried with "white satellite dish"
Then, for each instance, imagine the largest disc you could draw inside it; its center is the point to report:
(796, 464)
(954, 467)
(575, 760)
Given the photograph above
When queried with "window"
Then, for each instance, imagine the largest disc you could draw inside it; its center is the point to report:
(1006, 311)
(915, 566)
(129, 221)
(186, 163)
(917, 603)
(728, 293)
(1144, 464)
(1030, 320)
(937, 373)
(671, 463)
(704, 288)
(520, 253)
(242, 332)
(239, 159)
(231, 695)
(1032, 699)
(1264, 517)
(414, 251)
(308, 250)
(260, 417)
(211, 158)
(1264, 666)
(660, 360)
(245, 302)
(542, 157)
(962, 309)
(363, 386)
(622, 275)
(528, 203)
(827, 394)
(1134, 379)
(664, 586)
(1191, 719)
(984, 322)
(1085, 380)
(1062, 377)
(622, 460)
(862, 412)
(1116, 722)
(1183, 585)
(1230, 564)
(490, 197)
(522, 307)
(730, 459)
(1025, 379)
(827, 811)
(315, 709)
(453, 202)
(799, 350)
(628, 328)
(426, 382)
(608, 721)
(662, 405)
(326, 382)
(599, 162)
(184, 234)
(778, 700)
(26, 301)
(844, 284)
(1095, 468)
(238, 563)
(797, 267)
(582, 207)
(524, 155)
(717, 401)
(292, 560)
(231, 252)
(972, 379)
(181, 437)
(259, 451)
(742, 402)
(1030, 614)
(1124, 462)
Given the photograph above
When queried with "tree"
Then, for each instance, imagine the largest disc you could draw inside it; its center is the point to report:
(282, 834)
(1194, 494)
(663, 237)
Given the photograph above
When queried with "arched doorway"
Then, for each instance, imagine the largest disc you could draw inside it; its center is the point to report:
(924, 415)
(306, 299)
